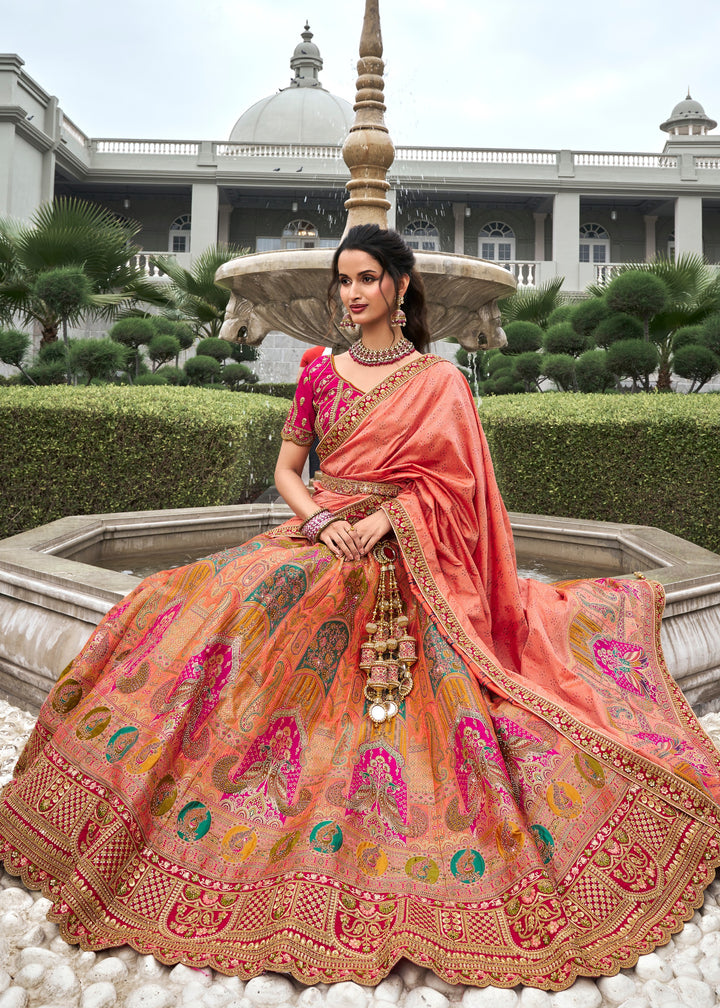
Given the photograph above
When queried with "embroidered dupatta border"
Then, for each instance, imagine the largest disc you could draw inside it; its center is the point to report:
(637, 768)
(364, 406)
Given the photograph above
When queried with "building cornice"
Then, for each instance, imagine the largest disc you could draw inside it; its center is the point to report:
(25, 128)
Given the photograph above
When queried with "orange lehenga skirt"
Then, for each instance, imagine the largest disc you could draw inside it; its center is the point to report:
(204, 785)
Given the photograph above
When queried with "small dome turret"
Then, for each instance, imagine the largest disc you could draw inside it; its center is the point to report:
(303, 113)
(688, 118)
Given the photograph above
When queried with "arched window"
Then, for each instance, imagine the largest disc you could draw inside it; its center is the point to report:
(594, 244)
(422, 235)
(497, 242)
(180, 234)
(299, 234)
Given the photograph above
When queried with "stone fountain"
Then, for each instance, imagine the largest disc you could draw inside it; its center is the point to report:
(286, 290)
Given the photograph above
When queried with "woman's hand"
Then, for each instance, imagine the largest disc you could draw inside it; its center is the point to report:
(370, 530)
(342, 539)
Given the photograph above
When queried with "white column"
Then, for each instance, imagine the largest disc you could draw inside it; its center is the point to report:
(688, 225)
(566, 238)
(540, 236)
(204, 212)
(650, 238)
(391, 197)
(459, 214)
(224, 212)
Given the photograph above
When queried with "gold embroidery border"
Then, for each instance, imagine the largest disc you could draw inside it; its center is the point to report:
(635, 767)
(361, 409)
(354, 487)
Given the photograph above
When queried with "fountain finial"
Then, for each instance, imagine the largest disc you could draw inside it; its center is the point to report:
(368, 151)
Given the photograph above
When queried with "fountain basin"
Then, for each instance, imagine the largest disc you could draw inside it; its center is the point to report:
(52, 591)
(286, 290)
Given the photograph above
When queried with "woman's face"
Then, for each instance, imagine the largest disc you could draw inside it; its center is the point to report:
(367, 294)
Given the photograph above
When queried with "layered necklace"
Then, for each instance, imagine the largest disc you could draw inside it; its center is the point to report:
(375, 358)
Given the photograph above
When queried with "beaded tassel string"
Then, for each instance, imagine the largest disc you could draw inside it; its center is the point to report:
(389, 651)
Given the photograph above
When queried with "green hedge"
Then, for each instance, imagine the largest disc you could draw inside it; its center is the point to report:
(641, 459)
(92, 450)
(284, 390)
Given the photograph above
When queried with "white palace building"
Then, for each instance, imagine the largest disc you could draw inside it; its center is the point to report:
(278, 181)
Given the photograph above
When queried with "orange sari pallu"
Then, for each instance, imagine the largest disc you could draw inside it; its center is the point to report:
(204, 782)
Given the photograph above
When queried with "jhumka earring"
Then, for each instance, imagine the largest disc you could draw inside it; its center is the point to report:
(347, 321)
(398, 316)
(389, 651)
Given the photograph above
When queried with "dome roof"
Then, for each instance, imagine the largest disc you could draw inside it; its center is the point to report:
(688, 113)
(303, 113)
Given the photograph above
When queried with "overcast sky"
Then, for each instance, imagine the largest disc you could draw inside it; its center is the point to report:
(506, 73)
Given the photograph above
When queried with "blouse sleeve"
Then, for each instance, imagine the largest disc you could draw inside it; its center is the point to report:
(301, 419)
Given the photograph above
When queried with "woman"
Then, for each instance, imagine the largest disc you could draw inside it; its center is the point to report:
(307, 756)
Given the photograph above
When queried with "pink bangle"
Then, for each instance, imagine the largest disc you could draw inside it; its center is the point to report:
(313, 526)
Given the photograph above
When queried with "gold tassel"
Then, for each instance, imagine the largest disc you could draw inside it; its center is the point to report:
(389, 651)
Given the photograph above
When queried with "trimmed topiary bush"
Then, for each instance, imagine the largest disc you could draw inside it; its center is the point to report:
(522, 337)
(104, 449)
(642, 459)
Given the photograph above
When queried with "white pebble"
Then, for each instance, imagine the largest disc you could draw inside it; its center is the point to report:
(86, 960)
(14, 997)
(345, 995)
(234, 984)
(658, 993)
(582, 994)
(40, 909)
(30, 976)
(149, 968)
(390, 988)
(694, 992)
(60, 946)
(111, 970)
(150, 996)
(182, 974)
(268, 991)
(410, 973)
(379, 1003)
(426, 997)
(310, 998)
(5, 980)
(687, 969)
(637, 1001)
(710, 969)
(651, 967)
(531, 997)
(432, 980)
(617, 988)
(690, 935)
(15, 899)
(12, 923)
(61, 984)
(32, 938)
(99, 995)
(710, 923)
(215, 997)
(192, 994)
(39, 955)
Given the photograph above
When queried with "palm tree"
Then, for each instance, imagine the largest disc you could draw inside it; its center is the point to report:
(193, 293)
(67, 233)
(534, 304)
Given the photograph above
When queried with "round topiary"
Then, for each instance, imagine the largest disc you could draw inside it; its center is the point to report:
(522, 337)
(616, 327)
(592, 373)
(563, 339)
(588, 315)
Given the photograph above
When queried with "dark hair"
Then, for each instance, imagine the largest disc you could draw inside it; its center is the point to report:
(397, 260)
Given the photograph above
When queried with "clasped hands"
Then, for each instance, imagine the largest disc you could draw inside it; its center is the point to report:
(351, 542)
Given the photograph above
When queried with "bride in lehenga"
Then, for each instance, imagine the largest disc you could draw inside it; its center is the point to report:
(359, 737)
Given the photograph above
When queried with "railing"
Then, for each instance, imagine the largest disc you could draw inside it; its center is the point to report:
(329, 152)
(605, 272)
(163, 147)
(525, 272)
(476, 155)
(609, 160)
(142, 261)
(69, 127)
(278, 150)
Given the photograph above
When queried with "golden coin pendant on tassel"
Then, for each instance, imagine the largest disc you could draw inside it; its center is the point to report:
(389, 651)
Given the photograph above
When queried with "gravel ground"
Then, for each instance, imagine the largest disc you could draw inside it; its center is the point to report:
(39, 970)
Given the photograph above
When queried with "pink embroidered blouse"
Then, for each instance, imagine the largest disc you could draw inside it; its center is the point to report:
(321, 398)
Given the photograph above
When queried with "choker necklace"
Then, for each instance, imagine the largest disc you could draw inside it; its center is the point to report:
(375, 358)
